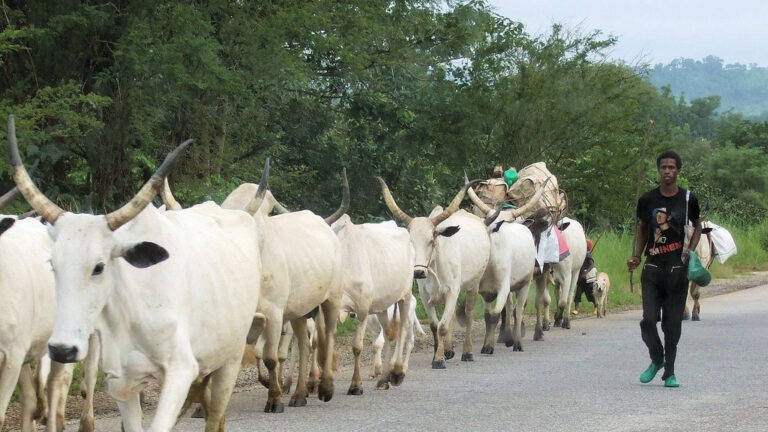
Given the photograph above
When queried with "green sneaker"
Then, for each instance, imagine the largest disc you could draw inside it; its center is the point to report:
(651, 372)
(671, 381)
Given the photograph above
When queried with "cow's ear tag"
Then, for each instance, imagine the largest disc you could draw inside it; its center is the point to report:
(145, 254)
(449, 231)
(5, 224)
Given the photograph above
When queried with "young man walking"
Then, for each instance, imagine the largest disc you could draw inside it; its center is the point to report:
(660, 235)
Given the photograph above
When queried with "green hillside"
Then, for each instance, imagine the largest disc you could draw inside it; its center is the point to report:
(743, 88)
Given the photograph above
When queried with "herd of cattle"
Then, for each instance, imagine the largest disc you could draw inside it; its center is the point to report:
(174, 295)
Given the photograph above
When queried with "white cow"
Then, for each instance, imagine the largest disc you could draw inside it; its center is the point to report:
(452, 250)
(564, 275)
(25, 246)
(510, 269)
(27, 311)
(302, 264)
(378, 272)
(374, 325)
(171, 295)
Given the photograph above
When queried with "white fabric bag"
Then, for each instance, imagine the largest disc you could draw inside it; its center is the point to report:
(723, 243)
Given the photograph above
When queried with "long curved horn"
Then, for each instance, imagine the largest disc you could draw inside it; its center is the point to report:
(42, 205)
(493, 215)
(454, 205)
(280, 209)
(392, 205)
(168, 198)
(531, 202)
(476, 199)
(121, 216)
(255, 203)
(344, 200)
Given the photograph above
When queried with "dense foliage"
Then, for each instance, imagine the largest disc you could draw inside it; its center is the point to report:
(742, 88)
(416, 91)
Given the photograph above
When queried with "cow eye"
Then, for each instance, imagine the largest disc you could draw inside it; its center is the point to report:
(98, 269)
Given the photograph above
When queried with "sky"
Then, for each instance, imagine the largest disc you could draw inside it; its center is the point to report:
(657, 31)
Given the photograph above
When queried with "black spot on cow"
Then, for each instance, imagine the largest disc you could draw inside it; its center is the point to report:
(451, 230)
(5, 224)
(145, 254)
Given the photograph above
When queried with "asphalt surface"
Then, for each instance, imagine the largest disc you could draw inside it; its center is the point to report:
(583, 379)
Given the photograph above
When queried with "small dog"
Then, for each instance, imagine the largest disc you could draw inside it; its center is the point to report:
(601, 287)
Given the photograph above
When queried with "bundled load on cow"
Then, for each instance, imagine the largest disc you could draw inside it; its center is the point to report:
(530, 179)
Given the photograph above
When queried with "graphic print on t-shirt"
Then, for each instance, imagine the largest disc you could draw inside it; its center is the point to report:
(666, 238)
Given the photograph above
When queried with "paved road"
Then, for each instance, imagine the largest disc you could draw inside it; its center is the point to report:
(583, 379)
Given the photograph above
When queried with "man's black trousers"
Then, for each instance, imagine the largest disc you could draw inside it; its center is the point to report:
(664, 294)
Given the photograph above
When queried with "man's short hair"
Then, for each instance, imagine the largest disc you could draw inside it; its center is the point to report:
(669, 154)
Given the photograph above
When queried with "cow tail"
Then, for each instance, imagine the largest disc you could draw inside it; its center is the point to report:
(461, 313)
(322, 342)
(393, 327)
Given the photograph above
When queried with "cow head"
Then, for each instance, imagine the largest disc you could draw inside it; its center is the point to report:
(84, 253)
(425, 231)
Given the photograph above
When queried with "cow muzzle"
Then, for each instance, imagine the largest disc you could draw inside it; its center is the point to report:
(62, 353)
(419, 272)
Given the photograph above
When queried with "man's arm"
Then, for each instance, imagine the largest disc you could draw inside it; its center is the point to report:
(641, 236)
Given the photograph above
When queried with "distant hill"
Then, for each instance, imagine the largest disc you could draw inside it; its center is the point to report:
(741, 87)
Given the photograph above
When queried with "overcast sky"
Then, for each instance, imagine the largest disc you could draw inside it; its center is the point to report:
(657, 31)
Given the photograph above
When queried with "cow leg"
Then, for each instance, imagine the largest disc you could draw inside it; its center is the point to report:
(505, 332)
(88, 385)
(329, 319)
(57, 388)
(130, 414)
(222, 383)
(299, 397)
(491, 321)
(356, 386)
(438, 357)
(503, 323)
(387, 349)
(289, 366)
(403, 320)
(178, 377)
(314, 369)
(448, 342)
(378, 345)
(569, 285)
(283, 357)
(42, 371)
(695, 294)
(542, 305)
(522, 298)
(469, 309)
(27, 398)
(9, 376)
(271, 338)
(410, 340)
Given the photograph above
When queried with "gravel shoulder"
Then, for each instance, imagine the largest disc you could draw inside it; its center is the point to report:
(104, 406)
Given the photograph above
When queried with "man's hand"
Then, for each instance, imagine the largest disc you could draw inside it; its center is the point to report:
(685, 256)
(633, 263)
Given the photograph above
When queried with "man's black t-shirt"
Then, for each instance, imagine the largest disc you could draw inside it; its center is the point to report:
(664, 218)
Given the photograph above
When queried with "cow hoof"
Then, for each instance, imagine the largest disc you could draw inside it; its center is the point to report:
(695, 318)
(546, 327)
(538, 335)
(355, 391)
(325, 393)
(686, 316)
(396, 378)
(273, 407)
(449, 354)
(566, 324)
(438, 364)
(517, 347)
(382, 385)
(487, 350)
(86, 425)
(467, 357)
(298, 402)
(558, 323)
(311, 386)
(508, 343)
(198, 412)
